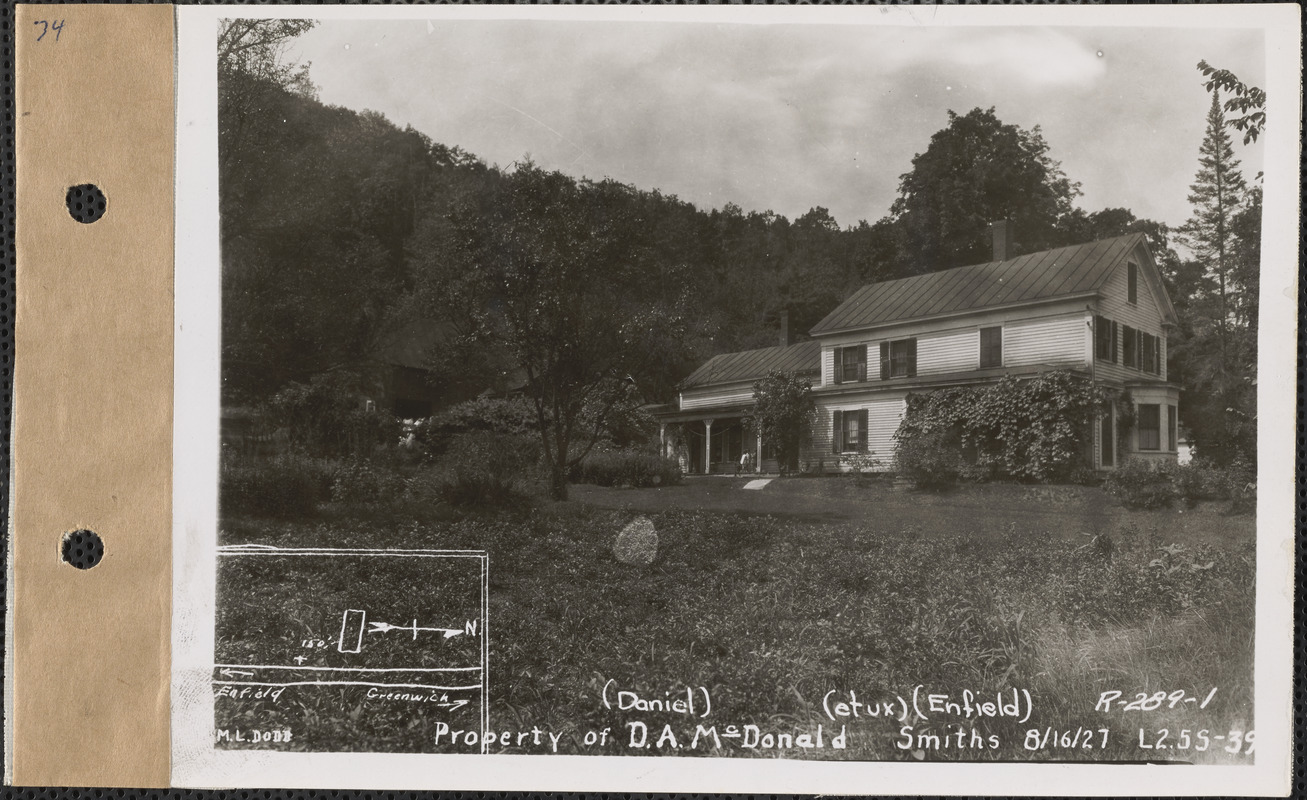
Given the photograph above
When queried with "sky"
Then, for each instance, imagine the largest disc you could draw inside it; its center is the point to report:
(788, 117)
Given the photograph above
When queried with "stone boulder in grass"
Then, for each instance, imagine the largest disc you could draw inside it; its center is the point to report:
(637, 544)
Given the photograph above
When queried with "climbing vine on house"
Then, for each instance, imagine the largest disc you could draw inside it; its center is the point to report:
(1036, 429)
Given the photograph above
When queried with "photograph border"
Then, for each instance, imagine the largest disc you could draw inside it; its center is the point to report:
(196, 764)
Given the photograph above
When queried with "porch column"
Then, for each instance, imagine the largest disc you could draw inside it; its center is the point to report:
(757, 462)
(662, 438)
(707, 447)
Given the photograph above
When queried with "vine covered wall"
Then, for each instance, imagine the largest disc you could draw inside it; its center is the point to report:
(1035, 429)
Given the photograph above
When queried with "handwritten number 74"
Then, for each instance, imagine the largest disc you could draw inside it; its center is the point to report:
(46, 26)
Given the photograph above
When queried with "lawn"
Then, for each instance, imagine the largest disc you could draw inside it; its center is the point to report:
(816, 602)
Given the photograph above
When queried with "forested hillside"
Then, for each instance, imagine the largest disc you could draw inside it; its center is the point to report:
(339, 228)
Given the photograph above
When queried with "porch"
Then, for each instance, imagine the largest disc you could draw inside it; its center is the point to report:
(715, 443)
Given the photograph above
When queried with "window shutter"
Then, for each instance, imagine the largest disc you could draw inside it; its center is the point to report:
(912, 358)
(1157, 357)
(837, 368)
(862, 431)
(836, 431)
(1115, 327)
(884, 361)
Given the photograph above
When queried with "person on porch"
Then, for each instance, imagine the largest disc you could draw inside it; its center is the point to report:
(745, 464)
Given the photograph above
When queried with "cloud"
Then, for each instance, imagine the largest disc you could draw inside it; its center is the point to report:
(787, 117)
(1039, 58)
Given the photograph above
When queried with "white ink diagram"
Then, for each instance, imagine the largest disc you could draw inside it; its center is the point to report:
(349, 650)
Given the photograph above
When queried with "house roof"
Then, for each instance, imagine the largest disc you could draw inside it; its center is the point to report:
(751, 365)
(1046, 275)
(411, 344)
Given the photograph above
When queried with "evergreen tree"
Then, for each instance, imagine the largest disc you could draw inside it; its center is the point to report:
(1215, 355)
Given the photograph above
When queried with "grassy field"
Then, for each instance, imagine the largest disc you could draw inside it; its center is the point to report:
(779, 605)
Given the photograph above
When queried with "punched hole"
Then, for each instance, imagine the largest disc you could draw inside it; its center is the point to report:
(82, 549)
(86, 203)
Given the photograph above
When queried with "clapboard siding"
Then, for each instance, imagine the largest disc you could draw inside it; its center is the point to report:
(1056, 340)
(954, 351)
(724, 396)
(883, 418)
(1145, 315)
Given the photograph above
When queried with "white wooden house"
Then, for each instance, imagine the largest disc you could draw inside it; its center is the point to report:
(1099, 309)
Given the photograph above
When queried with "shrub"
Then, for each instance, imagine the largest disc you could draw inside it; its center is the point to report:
(930, 460)
(488, 469)
(1241, 486)
(1085, 476)
(636, 468)
(327, 416)
(511, 417)
(1201, 480)
(1142, 484)
(861, 463)
(363, 481)
(282, 487)
(975, 473)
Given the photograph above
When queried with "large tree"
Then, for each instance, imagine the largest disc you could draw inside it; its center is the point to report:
(253, 71)
(1217, 355)
(975, 171)
(552, 273)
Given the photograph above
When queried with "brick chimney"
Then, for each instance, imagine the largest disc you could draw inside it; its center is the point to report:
(785, 328)
(1001, 231)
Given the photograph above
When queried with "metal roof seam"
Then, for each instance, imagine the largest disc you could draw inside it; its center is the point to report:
(1033, 276)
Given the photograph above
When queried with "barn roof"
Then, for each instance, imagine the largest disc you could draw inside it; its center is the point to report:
(1045, 275)
(751, 365)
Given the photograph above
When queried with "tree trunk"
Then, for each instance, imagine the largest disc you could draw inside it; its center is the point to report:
(558, 480)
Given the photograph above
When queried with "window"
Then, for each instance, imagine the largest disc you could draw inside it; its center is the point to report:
(1149, 353)
(1129, 347)
(1107, 441)
(1132, 282)
(1172, 429)
(898, 359)
(991, 347)
(850, 364)
(1104, 339)
(853, 435)
(849, 431)
(1150, 426)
